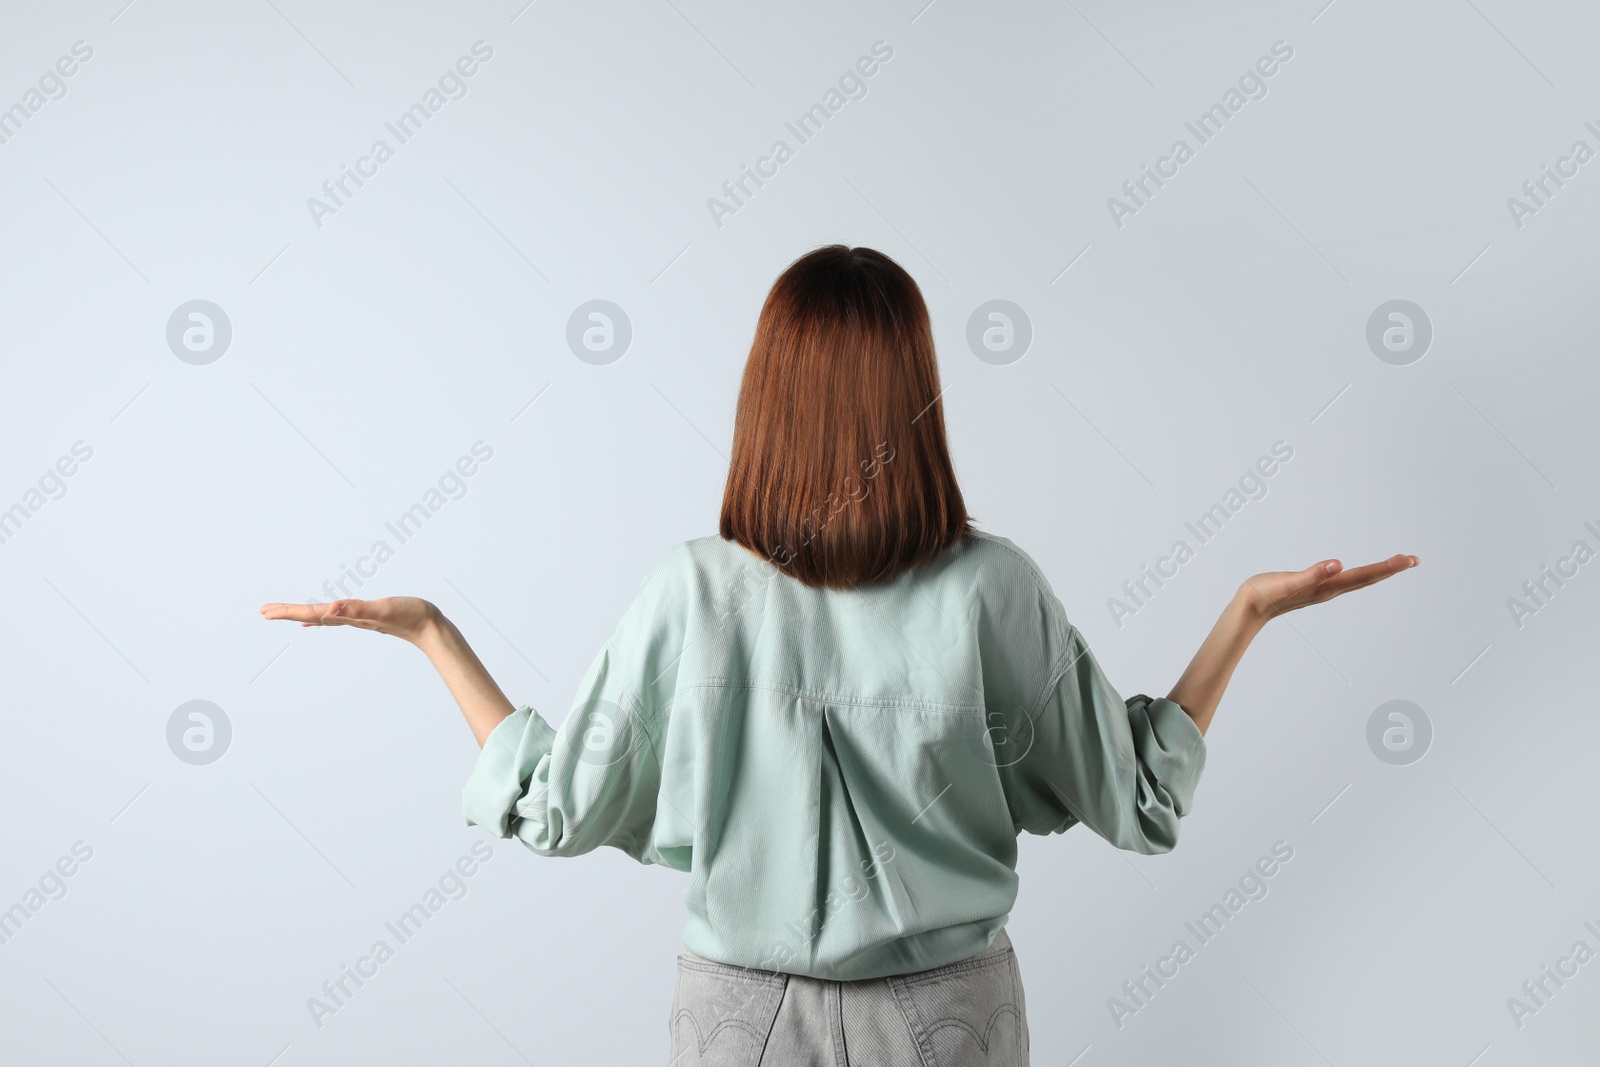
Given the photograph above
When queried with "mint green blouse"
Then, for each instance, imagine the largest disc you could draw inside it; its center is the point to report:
(842, 774)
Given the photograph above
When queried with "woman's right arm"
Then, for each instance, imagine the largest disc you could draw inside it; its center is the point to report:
(561, 792)
(422, 624)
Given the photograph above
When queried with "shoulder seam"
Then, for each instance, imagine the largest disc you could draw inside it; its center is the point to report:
(1041, 583)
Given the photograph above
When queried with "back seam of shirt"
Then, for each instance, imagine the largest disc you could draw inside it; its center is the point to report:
(844, 699)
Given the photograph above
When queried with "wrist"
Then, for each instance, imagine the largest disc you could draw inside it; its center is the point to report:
(1249, 610)
(432, 629)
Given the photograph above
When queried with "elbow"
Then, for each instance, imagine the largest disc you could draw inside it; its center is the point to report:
(1154, 841)
(546, 833)
(1161, 802)
(1152, 831)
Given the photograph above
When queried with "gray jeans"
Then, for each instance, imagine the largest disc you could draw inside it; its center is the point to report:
(971, 1012)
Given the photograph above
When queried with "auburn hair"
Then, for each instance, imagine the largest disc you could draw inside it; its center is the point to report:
(841, 473)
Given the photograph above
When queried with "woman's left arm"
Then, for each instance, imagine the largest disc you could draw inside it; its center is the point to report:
(424, 625)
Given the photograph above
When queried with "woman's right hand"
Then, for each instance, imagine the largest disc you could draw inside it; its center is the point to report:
(406, 617)
(1272, 593)
(425, 626)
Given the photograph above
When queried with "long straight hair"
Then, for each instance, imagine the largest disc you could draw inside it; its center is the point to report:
(841, 473)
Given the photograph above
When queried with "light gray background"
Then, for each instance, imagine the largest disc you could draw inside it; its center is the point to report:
(368, 354)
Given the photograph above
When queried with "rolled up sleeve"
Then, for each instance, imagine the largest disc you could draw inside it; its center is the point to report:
(504, 770)
(592, 782)
(1126, 768)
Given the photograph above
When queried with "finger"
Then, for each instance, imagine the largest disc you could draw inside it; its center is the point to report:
(309, 614)
(1312, 577)
(1373, 580)
(302, 613)
(362, 614)
(350, 613)
(1371, 573)
(1384, 568)
(1321, 572)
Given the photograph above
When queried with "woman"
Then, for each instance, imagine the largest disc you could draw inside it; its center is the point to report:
(838, 715)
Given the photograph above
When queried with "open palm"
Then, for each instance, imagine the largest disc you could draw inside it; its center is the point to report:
(399, 616)
(1275, 592)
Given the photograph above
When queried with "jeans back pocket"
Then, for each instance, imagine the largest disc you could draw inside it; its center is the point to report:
(721, 1014)
(967, 1014)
